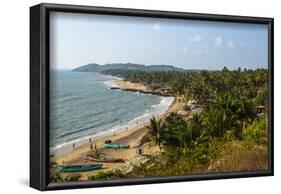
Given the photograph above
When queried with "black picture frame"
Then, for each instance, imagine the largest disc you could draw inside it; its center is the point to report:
(39, 93)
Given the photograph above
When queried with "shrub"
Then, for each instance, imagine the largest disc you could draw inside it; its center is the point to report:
(256, 132)
(106, 175)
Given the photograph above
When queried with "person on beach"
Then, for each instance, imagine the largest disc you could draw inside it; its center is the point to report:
(73, 145)
(96, 150)
(126, 128)
(91, 147)
(90, 140)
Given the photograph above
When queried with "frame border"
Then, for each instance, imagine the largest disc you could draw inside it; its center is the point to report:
(39, 94)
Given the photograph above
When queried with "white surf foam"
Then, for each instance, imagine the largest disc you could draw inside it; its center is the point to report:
(155, 110)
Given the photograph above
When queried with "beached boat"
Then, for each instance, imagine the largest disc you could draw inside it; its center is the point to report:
(115, 146)
(80, 168)
(105, 160)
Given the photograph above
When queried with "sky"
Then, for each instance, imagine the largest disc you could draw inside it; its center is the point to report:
(80, 39)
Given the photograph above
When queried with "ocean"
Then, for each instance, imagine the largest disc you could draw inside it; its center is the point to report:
(82, 105)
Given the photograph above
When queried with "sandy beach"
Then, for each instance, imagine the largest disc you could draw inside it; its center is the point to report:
(129, 85)
(131, 137)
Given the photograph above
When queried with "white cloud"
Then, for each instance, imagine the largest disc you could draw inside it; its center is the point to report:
(156, 27)
(230, 44)
(196, 39)
(218, 41)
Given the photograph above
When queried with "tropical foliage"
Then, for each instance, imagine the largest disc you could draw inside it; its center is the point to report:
(204, 86)
(230, 133)
(229, 100)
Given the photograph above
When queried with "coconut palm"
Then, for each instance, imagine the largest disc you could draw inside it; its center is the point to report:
(155, 127)
(215, 122)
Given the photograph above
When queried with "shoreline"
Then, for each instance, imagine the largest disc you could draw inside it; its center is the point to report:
(156, 110)
(135, 87)
(130, 137)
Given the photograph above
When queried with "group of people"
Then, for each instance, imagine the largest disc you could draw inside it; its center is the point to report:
(91, 145)
(95, 147)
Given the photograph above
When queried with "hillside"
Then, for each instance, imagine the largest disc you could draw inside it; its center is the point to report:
(93, 67)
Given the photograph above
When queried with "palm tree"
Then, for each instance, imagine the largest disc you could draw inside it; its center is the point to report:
(196, 126)
(155, 128)
(215, 122)
(174, 132)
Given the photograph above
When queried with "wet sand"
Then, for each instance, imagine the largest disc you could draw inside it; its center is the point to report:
(131, 137)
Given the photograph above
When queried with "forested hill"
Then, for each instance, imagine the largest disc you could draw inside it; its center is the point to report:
(93, 67)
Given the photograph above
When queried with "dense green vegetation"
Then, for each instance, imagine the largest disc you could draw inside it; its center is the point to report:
(230, 117)
(204, 86)
(106, 175)
(93, 67)
(230, 133)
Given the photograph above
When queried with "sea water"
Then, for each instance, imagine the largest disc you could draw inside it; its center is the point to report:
(82, 105)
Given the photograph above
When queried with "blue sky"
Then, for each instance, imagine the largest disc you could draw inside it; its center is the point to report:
(79, 39)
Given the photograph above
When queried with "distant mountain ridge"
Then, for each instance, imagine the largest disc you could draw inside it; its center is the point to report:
(93, 67)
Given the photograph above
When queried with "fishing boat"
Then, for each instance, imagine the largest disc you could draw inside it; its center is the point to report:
(80, 168)
(105, 160)
(115, 146)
